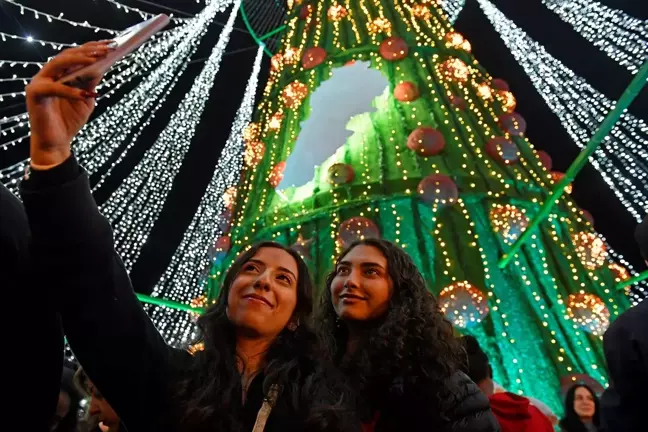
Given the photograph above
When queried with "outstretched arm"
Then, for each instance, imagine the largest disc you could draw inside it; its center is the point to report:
(72, 248)
(72, 245)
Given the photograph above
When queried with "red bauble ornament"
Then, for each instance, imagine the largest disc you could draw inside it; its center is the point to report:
(393, 49)
(513, 124)
(458, 102)
(225, 221)
(499, 84)
(305, 11)
(503, 150)
(340, 174)
(313, 57)
(276, 174)
(426, 141)
(406, 92)
(357, 228)
(587, 215)
(438, 189)
(545, 159)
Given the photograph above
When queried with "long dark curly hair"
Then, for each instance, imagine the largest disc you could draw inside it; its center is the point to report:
(572, 422)
(209, 397)
(411, 347)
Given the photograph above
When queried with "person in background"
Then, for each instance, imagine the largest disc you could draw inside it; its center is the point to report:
(625, 343)
(99, 411)
(581, 410)
(383, 329)
(543, 407)
(514, 413)
(65, 415)
(260, 368)
(42, 354)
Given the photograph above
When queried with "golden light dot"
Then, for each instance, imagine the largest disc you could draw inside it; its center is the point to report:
(379, 25)
(337, 12)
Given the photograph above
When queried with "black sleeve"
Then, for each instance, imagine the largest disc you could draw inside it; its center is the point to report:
(626, 351)
(105, 324)
(467, 407)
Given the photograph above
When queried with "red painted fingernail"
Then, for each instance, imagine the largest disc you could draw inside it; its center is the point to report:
(89, 94)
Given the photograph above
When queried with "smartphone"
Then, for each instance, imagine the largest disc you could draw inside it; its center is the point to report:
(125, 43)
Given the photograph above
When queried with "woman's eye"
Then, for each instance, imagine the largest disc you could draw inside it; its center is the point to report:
(284, 278)
(371, 272)
(342, 270)
(250, 268)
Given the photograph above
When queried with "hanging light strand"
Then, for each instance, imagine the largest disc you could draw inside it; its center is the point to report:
(620, 36)
(49, 17)
(181, 281)
(621, 158)
(136, 204)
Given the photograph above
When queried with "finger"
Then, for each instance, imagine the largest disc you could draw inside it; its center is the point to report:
(62, 62)
(39, 90)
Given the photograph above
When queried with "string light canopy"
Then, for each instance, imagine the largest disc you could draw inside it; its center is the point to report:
(186, 276)
(136, 204)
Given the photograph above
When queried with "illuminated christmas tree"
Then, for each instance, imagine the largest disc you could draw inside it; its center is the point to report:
(414, 142)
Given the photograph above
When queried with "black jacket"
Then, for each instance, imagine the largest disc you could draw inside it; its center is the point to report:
(107, 328)
(464, 407)
(32, 336)
(625, 344)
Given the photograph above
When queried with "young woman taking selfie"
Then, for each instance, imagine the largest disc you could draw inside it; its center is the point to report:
(384, 330)
(258, 370)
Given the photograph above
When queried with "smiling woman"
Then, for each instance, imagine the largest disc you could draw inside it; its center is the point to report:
(385, 331)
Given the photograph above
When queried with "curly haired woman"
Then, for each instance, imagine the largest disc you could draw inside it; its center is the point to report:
(383, 328)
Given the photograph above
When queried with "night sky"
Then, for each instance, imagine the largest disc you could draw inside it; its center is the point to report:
(544, 129)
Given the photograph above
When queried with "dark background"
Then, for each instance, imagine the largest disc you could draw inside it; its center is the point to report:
(544, 131)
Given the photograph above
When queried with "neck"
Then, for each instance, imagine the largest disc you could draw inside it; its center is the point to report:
(356, 332)
(586, 419)
(251, 352)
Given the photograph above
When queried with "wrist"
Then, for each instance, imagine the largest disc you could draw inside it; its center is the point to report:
(45, 158)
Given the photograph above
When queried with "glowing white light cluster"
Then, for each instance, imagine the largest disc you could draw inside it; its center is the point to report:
(621, 158)
(452, 8)
(136, 204)
(137, 64)
(621, 37)
(38, 14)
(181, 280)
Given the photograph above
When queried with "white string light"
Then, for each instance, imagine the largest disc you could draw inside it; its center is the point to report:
(56, 45)
(622, 158)
(138, 63)
(580, 109)
(181, 281)
(452, 8)
(136, 204)
(98, 140)
(141, 13)
(621, 37)
(38, 14)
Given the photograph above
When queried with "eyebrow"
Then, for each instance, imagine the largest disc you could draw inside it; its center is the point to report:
(284, 269)
(364, 264)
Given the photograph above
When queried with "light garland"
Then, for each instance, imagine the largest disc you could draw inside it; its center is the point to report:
(141, 13)
(38, 14)
(623, 38)
(118, 122)
(181, 280)
(137, 64)
(136, 204)
(452, 8)
(621, 157)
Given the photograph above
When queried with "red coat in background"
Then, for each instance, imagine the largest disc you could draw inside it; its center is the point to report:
(516, 414)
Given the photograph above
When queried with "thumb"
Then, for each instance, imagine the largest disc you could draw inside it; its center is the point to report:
(41, 89)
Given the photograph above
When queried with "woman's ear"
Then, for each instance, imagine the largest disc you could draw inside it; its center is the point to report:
(293, 324)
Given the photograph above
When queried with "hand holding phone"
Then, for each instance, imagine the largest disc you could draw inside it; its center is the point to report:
(125, 43)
